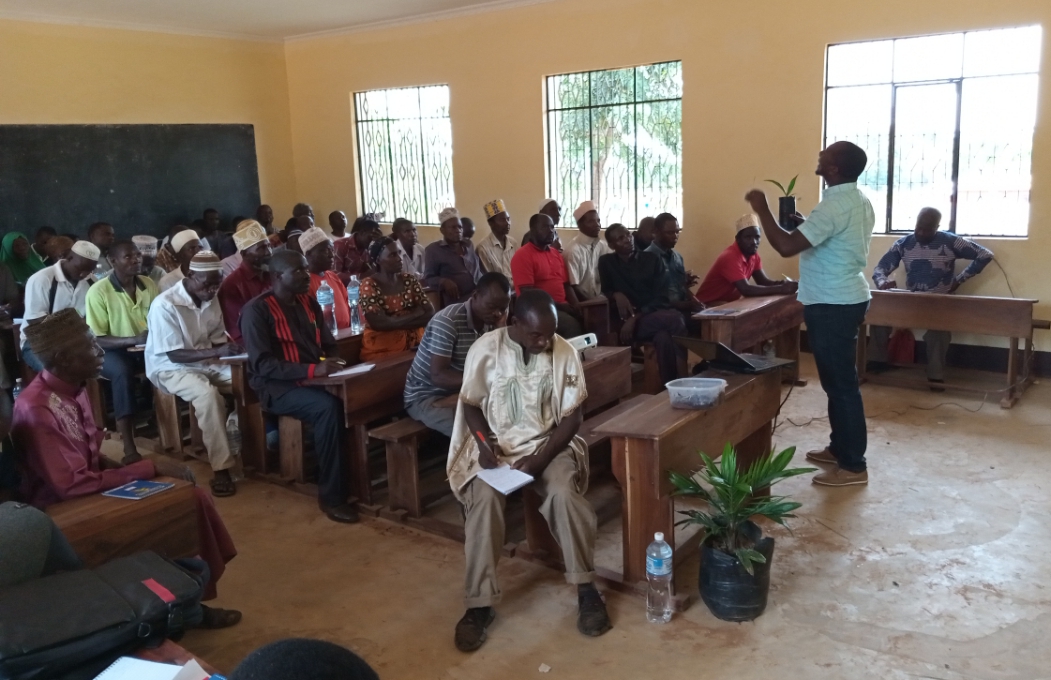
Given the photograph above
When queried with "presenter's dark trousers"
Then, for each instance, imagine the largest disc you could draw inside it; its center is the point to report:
(324, 412)
(832, 331)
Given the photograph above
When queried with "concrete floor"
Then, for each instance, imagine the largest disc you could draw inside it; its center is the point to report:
(937, 569)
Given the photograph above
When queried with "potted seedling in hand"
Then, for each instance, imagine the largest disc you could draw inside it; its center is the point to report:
(786, 204)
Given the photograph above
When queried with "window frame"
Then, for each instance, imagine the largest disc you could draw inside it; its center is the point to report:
(894, 86)
(387, 119)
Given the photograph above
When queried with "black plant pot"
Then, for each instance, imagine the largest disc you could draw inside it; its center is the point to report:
(786, 207)
(731, 593)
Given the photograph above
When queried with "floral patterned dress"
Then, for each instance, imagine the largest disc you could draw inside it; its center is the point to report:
(378, 344)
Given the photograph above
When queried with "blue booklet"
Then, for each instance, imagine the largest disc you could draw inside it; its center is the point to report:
(134, 491)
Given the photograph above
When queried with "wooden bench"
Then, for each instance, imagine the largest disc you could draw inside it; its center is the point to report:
(402, 440)
(173, 442)
(100, 528)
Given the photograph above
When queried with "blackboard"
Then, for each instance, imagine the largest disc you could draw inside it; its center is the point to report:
(142, 179)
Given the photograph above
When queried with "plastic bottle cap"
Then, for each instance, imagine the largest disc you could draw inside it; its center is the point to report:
(659, 536)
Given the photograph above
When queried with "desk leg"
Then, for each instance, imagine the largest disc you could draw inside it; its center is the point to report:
(1011, 396)
(253, 436)
(786, 346)
(644, 510)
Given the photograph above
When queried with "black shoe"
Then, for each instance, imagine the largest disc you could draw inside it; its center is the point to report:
(470, 630)
(219, 618)
(592, 618)
(345, 513)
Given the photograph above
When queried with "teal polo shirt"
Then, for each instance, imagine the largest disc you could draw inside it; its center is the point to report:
(839, 229)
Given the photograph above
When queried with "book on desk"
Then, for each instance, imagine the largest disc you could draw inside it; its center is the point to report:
(137, 490)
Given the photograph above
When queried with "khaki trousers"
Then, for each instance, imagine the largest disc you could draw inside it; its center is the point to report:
(203, 386)
(569, 515)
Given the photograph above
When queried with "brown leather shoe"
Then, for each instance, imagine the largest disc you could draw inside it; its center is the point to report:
(592, 617)
(470, 630)
(822, 456)
(837, 476)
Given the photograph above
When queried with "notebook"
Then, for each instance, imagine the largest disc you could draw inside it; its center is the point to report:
(127, 668)
(134, 491)
(505, 478)
(360, 368)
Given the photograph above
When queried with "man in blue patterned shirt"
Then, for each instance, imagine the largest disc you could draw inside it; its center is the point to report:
(929, 257)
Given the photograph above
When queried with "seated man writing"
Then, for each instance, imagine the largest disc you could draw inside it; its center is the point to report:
(116, 311)
(637, 283)
(538, 265)
(727, 280)
(521, 404)
(58, 441)
(182, 357)
(288, 342)
(436, 374)
(929, 257)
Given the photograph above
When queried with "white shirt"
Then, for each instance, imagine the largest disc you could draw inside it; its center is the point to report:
(176, 322)
(38, 294)
(170, 279)
(582, 256)
(496, 257)
(412, 265)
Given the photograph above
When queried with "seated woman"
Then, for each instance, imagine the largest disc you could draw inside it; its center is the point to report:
(395, 307)
(19, 257)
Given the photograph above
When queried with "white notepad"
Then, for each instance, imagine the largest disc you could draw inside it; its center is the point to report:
(360, 368)
(505, 479)
(127, 668)
(235, 357)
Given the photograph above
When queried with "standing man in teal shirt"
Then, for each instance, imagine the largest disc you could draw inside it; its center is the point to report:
(833, 248)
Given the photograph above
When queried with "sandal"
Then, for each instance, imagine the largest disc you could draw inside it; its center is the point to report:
(219, 618)
(222, 486)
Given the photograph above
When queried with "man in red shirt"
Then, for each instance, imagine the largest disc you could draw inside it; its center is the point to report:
(249, 279)
(538, 265)
(727, 280)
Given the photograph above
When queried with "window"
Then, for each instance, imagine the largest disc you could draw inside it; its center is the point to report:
(947, 122)
(615, 138)
(404, 144)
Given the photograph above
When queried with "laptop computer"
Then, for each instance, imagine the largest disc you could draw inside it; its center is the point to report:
(722, 357)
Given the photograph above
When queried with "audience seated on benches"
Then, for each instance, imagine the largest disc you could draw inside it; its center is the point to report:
(436, 374)
(539, 265)
(583, 252)
(393, 303)
(522, 404)
(319, 251)
(288, 342)
(248, 280)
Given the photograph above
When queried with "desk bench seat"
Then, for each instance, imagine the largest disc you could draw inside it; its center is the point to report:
(402, 438)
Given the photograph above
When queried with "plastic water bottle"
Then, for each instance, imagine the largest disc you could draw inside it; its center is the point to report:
(353, 295)
(658, 573)
(327, 299)
(17, 389)
(233, 434)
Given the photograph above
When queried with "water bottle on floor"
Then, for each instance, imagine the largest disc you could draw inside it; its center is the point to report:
(326, 298)
(658, 574)
(353, 295)
(17, 389)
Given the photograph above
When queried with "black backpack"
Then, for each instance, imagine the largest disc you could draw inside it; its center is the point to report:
(74, 624)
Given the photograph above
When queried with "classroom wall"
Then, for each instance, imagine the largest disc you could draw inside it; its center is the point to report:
(76, 74)
(752, 104)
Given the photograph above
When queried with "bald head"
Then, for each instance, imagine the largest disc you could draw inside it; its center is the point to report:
(927, 223)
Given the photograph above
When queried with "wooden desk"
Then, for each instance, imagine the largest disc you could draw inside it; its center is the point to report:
(1010, 318)
(101, 528)
(745, 324)
(653, 438)
(607, 376)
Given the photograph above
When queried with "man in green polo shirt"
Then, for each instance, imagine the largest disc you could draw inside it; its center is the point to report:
(833, 247)
(117, 307)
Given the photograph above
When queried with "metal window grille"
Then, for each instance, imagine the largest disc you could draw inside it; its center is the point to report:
(404, 147)
(615, 137)
(947, 122)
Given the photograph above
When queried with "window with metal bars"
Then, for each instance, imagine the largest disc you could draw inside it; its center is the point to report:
(404, 147)
(615, 138)
(947, 122)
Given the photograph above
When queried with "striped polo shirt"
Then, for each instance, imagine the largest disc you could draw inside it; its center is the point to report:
(450, 333)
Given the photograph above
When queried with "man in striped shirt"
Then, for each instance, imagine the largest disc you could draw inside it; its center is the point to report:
(288, 342)
(434, 380)
(929, 257)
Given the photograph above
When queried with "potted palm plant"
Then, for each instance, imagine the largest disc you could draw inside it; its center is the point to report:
(786, 204)
(735, 556)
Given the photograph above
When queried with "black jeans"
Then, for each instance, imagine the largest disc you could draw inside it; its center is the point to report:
(658, 327)
(833, 334)
(120, 367)
(325, 412)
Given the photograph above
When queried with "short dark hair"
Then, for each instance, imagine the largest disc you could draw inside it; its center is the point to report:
(614, 229)
(400, 224)
(377, 247)
(298, 658)
(95, 226)
(493, 281)
(363, 223)
(535, 220)
(851, 160)
(210, 210)
(120, 245)
(659, 220)
(284, 260)
(301, 209)
(533, 301)
(50, 231)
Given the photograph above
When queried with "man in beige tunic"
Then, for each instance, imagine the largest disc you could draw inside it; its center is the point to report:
(521, 405)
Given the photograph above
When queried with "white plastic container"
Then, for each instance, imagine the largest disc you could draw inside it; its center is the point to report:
(696, 393)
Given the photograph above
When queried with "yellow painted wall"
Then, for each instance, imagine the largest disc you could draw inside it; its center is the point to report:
(75, 74)
(752, 105)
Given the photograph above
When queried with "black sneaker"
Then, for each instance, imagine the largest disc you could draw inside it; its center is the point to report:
(470, 630)
(592, 619)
